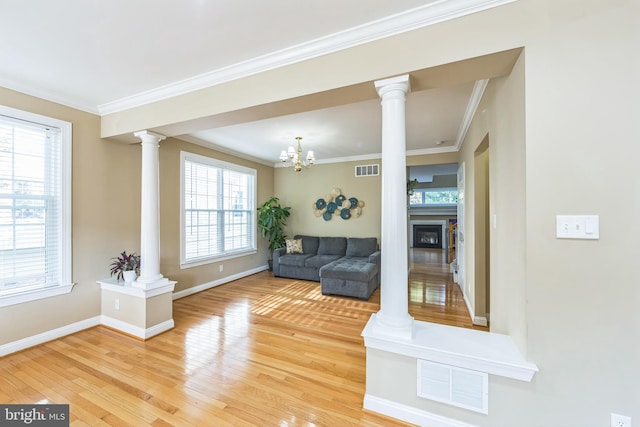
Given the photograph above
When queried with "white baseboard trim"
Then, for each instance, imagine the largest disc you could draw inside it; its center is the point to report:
(43, 337)
(468, 304)
(136, 331)
(409, 414)
(203, 287)
(127, 328)
(476, 320)
(480, 321)
(159, 328)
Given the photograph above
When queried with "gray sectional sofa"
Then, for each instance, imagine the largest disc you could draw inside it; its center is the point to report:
(343, 266)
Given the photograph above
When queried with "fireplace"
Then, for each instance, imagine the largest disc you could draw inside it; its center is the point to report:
(427, 236)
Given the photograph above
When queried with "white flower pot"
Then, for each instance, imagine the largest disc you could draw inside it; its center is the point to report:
(129, 276)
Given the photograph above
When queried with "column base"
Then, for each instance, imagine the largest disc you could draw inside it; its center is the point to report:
(384, 326)
(163, 281)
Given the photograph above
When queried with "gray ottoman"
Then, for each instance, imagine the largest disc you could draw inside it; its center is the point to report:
(351, 277)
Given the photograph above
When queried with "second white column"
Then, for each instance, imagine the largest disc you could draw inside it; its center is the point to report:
(393, 317)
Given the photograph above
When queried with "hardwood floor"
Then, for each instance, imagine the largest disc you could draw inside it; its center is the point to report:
(259, 351)
(433, 296)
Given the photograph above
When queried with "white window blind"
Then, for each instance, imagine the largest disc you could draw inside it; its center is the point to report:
(34, 203)
(218, 209)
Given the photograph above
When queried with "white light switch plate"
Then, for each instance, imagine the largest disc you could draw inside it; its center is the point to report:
(578, 227)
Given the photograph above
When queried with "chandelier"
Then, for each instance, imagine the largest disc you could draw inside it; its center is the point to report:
(293, 157)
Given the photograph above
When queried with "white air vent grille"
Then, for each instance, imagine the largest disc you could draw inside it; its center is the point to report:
(368, 170)
(455, 386)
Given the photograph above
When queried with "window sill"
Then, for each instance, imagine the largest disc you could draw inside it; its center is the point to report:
(205, 261)
(35, 294)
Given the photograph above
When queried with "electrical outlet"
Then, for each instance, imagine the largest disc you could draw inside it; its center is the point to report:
(221, 267)
(117, 304)
(618, 420)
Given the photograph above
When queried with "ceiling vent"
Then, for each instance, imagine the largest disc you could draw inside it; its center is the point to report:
(367, 170)
(454, 386)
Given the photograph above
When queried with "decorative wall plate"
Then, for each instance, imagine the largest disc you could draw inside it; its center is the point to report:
(337, 204)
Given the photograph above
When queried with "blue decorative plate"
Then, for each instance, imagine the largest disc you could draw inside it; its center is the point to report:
(320, 204)
(331, 207)
(340, 199)
(345, 214)
(327, 216)
(354, 202)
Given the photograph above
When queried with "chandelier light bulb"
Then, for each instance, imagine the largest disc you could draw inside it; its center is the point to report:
(293, 157)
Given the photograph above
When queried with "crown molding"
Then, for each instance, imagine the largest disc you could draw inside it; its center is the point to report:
(472, 106)
(359, 158)
(435, 150)
(48, 96)
(212, 146)
(429, 14)
(378, 156)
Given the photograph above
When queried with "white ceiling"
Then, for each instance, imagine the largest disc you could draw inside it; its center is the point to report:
(426, 173)
(92, 54)
(352, 131)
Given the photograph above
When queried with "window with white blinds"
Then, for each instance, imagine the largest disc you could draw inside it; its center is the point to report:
(218, 210)
(35, 208)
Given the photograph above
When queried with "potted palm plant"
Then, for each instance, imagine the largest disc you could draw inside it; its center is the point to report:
(272, 217)
(126, 266)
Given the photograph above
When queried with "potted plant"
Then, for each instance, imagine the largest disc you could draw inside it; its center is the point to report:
(272, 217)
(126, 266)
(411, 185)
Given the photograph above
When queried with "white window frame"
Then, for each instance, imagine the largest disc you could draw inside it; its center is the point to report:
(252, 248)
(433, 190)
(64, 226)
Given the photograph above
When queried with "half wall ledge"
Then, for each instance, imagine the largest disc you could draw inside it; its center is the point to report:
(480, 351)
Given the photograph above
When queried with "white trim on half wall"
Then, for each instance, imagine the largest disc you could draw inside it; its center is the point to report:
(409, 414)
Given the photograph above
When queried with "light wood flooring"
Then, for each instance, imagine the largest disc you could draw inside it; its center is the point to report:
(433, 296)
(259, 351)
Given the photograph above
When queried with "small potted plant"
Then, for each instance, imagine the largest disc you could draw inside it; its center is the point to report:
(411, 185)
(126, 266)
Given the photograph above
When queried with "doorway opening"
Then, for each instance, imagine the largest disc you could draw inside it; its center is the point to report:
(432, 223)
(482, 231)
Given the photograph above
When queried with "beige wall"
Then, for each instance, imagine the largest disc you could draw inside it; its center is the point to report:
(302, 190)
(137, 311)
(132, 309)
(159, 309)
(105, 211)
(499, 121)
(170, 218)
